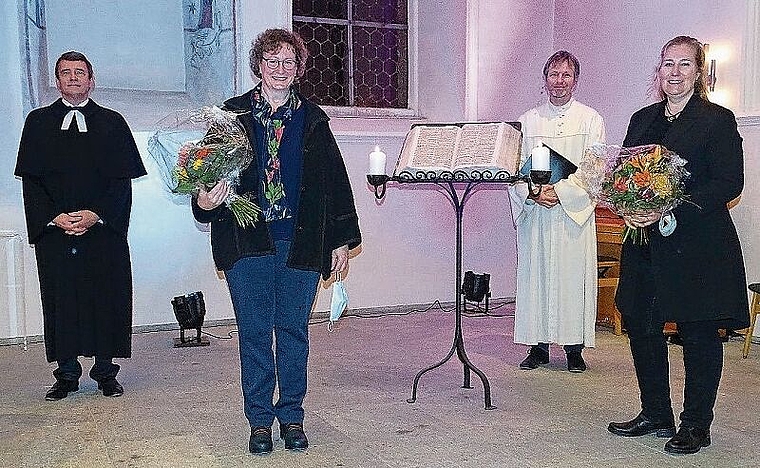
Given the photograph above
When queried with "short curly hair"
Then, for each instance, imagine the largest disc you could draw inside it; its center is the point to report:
(271, 41)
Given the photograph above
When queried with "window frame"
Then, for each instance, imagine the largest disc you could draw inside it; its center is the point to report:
(412, 109)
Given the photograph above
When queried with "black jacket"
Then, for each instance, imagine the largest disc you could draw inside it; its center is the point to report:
(326, 215)
(698, 271)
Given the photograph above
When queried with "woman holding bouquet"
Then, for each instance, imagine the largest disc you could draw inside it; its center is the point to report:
(307, 226)
(692, 275)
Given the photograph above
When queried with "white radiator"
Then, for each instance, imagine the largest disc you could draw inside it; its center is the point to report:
(12, 281)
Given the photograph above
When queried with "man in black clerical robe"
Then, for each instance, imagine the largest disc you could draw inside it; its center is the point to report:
(76, 161)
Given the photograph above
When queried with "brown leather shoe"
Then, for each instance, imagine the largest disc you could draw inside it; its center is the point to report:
(61, 389)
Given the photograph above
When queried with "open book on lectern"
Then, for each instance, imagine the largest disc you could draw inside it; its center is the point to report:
(493, 146)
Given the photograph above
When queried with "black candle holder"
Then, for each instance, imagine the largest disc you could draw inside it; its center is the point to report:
(537, 179)
(378, 182)
(540, 177)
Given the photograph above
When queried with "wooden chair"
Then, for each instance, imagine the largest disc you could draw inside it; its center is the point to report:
(609, 227)
(753, 311)
(608, 270)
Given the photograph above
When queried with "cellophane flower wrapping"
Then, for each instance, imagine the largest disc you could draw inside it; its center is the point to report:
(634, 180)
(201, 147)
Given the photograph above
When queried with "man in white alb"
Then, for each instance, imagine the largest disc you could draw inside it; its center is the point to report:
(556, 230)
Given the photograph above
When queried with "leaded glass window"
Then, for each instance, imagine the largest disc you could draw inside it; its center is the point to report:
(358, 52)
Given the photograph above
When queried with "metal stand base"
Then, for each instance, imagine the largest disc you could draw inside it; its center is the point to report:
(183, 342)
(447, 180)
(458, 344)
(192, 342)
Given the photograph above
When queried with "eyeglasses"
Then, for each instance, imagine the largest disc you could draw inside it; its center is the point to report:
(273, 63)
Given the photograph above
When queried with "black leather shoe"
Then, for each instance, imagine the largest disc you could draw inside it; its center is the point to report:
(688, 440)
(261, 440)
(536, 357)
(294, 437)
(61, 389)
(111, 388)
(575, 362)
(640, 426)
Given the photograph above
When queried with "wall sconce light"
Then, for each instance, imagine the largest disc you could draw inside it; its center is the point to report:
(711, 78)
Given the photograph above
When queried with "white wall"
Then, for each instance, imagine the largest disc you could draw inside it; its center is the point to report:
(155, 58)
(10, 107)
(442, 59)
(618, 45)
(11, 215)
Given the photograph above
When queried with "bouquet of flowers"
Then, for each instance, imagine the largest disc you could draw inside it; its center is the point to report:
(637, 180)
(199, 150)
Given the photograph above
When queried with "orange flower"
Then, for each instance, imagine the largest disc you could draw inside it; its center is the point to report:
(636, 162)
(642, 179)
(202, 153)
(656, 154)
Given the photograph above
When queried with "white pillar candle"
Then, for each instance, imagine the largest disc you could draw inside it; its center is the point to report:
(377, 162)
(539, 158)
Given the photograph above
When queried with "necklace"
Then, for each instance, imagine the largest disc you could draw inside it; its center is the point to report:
(669, 114)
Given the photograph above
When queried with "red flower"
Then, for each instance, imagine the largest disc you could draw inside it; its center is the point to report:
(621, 184)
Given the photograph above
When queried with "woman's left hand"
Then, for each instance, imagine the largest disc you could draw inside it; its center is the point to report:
(641, 220)
(208, 200)
(340, 259)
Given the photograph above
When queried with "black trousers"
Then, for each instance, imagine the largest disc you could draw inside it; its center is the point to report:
(703, 364)
(103, 369)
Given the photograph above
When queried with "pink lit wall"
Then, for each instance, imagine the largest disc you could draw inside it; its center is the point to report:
(618, 44)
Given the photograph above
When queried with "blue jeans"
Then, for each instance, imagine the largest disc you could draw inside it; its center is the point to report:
(271, 299)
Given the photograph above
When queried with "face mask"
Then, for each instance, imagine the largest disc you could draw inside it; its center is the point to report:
(339, 301)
